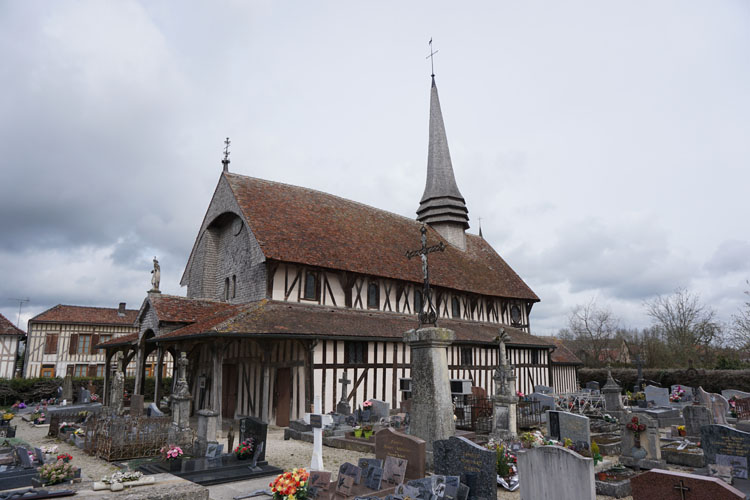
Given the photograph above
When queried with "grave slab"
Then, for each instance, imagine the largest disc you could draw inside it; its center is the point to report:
(207, 471)
(664, 484)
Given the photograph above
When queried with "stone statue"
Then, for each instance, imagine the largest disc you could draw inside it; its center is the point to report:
(181, 389)
(504, 377)
(156, 276)
(118, 386)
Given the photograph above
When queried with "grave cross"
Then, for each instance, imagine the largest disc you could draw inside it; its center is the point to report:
(344, 383)
(682, 488)
(427, 315)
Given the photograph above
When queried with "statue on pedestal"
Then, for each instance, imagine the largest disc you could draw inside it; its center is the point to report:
(505, 398)
(118, 386)
(155, 276)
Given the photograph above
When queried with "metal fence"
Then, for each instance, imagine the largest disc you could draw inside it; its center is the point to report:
(473, 413)
(528, 414)
(126, 437)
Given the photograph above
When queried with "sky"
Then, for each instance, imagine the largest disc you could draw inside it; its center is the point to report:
(603, 144)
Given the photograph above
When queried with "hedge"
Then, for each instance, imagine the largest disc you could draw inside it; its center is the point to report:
(31, 390)
(710, 380)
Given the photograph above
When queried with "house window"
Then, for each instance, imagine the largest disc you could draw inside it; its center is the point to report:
(149, 371)
(48, 371)
(311, 286)
(234, 285)
(455, 307)
(373, 295)
(80, 370)
(50, 344)
(104, 338)
(355, 352)
(417, 301)
(99, 370)
(84, 345)
(466, 356)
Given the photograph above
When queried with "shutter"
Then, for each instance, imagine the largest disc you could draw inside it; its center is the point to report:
(92, 371)
(94, 341)
(50, 344)
(73, 344)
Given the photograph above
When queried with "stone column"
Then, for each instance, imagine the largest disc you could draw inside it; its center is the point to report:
(158, 374)
(505, 399)
(140, 368)
(431, 404)
(207, 421)
(612, 399)
(216, 390)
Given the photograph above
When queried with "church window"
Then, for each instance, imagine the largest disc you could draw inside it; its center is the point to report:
(226, 288)
(455, 307)
(417, 301)
(234, 285)
(373, 295)
(311, 286)
(515, 315)
(84, 345)
(48, 371)
(355, 352)
(466, 356)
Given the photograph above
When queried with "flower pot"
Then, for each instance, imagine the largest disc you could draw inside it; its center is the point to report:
(175, 465)
(358, 433)
(601, 476)
(367, 434)
(682, 433)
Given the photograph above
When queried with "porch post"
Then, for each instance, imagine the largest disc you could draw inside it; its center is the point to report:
(218, 360)
(140, 368)
(107, 368)
(158, 374)
(265, 395)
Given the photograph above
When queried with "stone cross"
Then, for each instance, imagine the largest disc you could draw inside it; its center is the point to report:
(682, 489)
(317, 456)
(639, 364)
(344, 383)
(504, 375)
(428, 315)
(118, 386)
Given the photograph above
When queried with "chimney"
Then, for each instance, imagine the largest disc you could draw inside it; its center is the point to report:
(121, 309)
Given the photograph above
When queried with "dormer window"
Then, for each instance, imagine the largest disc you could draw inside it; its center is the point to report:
(373, 295)
(311, 286)
(455, 307)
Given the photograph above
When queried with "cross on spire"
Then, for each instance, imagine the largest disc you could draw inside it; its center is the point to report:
(432, 63)
(225, 161)
(427, 315)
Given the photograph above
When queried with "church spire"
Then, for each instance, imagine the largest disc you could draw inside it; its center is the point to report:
(442, 205)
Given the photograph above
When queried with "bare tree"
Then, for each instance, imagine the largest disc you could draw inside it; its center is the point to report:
(741, 325)
(686, 325)
(592, 327)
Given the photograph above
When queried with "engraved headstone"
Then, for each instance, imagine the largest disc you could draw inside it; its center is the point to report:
(23, 457)
(666, 484)
(565, 473)
(319, 483)
(394, 470)
(724, 445)
(695, 417)
(391, 443)
(255, 428)
(366, 463)
(374, 477)
(380, 409)
(348, 469)
(562, 425)
(475, 465)
(659, 396)
(344, 485)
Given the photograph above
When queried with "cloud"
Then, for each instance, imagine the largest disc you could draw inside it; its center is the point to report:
(731, 256)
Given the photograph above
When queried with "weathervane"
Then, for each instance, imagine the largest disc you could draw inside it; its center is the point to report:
(225, 161)
(427, 315)
(432, 64)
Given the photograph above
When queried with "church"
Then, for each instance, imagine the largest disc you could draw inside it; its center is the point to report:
(290, 290)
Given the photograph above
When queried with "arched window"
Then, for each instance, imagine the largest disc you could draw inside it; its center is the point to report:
(311, 286)
(373, 295)
(455, 307)
(226, 288)
(417, 301)
(234, 285)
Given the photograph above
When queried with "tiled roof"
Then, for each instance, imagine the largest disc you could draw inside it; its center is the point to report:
(295, 224)
(275, 318)
(121, 340)
(89, 315)
(562, 354)
(8, 328)
(174, 309)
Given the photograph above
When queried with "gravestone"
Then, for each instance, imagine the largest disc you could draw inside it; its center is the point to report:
(658, 395)
(84, 396)
(207, 421)
(592, 386)
(343, 407)
(612, 399)
(658, 483)
(349, 469)
(39, 455)
(543, 389)
(136, 405)
(562, 425)
(555, 472)
(688, 396)
(646, 451)
(373, 478)
(665, 416)
(723, 445)
(319, 483)
(154, 411)
(431, 416)
(695, 417)
(394, 470)
(67, 387)
(23, 457)
(366, 463)
(545, 402)
(394, 444)
(729, 393)
(380, 409)
(214, 449)
(344, 485)
(255, 428)
(716, 404)
(475, 465)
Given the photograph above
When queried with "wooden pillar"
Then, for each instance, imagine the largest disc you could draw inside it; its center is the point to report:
(218, 361)
(158, 374)
(140, 368)
(107, 368)
(265, 399)
(309, 374)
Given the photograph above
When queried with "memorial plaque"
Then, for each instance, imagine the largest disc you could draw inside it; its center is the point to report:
(344, 485)
(738, 464)
(406, 490)
(319, 482)
(374, 477)
(350, 470)
(316, 421)
(394, 470)
(723, 440)
(474, 464)
(366, 463)
(394, 444)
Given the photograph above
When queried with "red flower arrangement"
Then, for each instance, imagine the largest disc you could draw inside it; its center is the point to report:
(636, 427)
(65, 457)
(290, 485)
(245, 449)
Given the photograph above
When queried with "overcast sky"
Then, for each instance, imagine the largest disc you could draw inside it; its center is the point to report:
(604, 144)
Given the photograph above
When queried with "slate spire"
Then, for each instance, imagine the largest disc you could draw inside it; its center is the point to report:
(442, 205)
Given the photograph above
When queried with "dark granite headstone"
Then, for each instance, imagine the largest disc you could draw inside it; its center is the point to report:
(553, 425)
(366, 463)
(658, 483)
(255, 428)
(394, 470)
(394, 444)
(374, 477)
(23, 457)
(474, 464)
(352, 470)
(724, 444)
(562, 425)
(39, 455)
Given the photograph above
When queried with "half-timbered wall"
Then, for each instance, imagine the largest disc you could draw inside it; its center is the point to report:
(564, 378)
(531, 367)
(8, 352)
(346, 290)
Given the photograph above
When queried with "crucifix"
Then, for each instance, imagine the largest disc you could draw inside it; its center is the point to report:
(682, 489)
(427, 315)
(344, 381)
(432, 64)
(225, 161)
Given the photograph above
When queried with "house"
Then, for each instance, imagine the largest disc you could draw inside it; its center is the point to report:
(292, 290)
(10, 337)
(62, 340)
